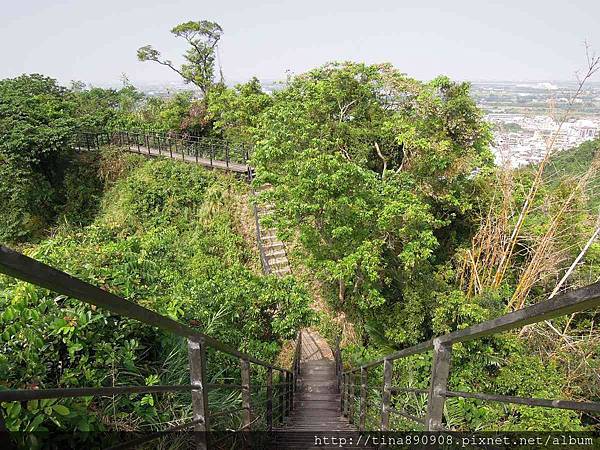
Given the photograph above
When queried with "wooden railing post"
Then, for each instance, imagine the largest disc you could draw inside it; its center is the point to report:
(246, 403)
(363, 399)
(440, 369)
(270, 399)
(290, 393)
(342, 387)
(197, 357)
(345, 394)
(246, 412)
(351, 397)
(281, 397)
(386, 394)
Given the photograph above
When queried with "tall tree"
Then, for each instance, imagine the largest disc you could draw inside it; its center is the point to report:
(203, 37)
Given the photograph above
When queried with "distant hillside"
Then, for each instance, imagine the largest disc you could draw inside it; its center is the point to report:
(575, 163)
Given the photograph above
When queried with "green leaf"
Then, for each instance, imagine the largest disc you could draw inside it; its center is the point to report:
(61, 409)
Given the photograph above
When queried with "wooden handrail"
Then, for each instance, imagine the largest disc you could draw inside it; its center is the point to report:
(581, 299)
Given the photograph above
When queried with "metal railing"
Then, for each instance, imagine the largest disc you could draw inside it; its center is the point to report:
(259, 238)
(356, 377)
(210, 152)
(19, 266)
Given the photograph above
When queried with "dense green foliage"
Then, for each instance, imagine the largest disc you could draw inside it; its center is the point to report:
(374, 171)
(165, 237)
(382, 184)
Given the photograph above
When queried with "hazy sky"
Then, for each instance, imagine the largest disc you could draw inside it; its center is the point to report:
(96, 41)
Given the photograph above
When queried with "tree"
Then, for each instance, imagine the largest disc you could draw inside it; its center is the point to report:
(36, 128)
(236, 111)
(374, 173)
(203, 37)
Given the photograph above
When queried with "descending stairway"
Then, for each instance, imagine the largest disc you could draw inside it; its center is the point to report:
(274, 249)
(316, 413)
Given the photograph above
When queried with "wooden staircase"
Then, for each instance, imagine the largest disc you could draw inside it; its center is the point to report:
(316, 414)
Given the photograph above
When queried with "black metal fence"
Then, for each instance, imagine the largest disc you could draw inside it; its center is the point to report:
(210, 152)
(356, 378)
(280, 382)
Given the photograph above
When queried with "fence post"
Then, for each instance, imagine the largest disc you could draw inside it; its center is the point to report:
(227, 155)
(281, 397)
(137, 142)
(197, 357)
(289, 391)
(440, 369)
(246, 402)
(270, 399)
(345, 394)
(351, 397)
(342, 390)
(363, 399)
(386, 396)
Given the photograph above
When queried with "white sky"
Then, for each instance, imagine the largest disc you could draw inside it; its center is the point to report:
(96, 41)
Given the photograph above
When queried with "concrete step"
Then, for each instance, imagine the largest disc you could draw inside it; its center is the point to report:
(275, 246)
(274, 253)
(278, 261)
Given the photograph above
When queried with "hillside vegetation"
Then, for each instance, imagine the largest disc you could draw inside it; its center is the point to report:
(165, 235)
(384, 187)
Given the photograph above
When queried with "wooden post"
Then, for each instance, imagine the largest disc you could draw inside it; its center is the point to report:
(137, 141)
(247, 412)
(342, 390)
(351, 397)
(246, 404)
(170, 148)
(440, 369)
(197, 357)
(270, 399)
(363, 399)
(290, 399)
(386, 395)
(281, 397)
(227, 155)
(345, 394)
(212, 153)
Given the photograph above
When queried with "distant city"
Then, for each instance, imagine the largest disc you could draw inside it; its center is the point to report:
(525, 116)
(528, 119)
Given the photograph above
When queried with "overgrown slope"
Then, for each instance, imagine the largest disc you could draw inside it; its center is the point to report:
(166, 237)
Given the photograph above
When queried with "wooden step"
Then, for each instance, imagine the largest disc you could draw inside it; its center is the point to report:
(332, 397)
(317, 404)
